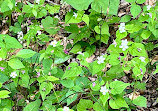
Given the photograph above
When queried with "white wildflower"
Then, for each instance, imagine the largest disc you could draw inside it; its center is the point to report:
(53, 43)
(66, 108)
(104, 90)
(39, 32)
(122, 28)
(100, 59)
(124, 45)
(148, 7)
(13, 74)
(80, 53)
(75, 15)
(37, 1)
(20, 37)
(142, 59)
(150, 15)
(114, 43)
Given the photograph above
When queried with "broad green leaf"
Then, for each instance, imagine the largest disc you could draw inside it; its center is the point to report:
(125, 18)
(79, 4)
(76, 48)
(156, 71)
(118, 103)
(120, 35)
(24, 81)
(100, 5)
(113, 7)
(104, 98)
(15, 64)
(104, 29)
(67, 83)
(97, 107)
(11, 42)
(70, 18)
(135, 52)
(140, 101)
(52, 78)
(61, 60)
(85, 18)
(140, 1)
(72, 96)
(47, 63)
(4, 94)
(104, 38)
(145, 34)
(33, 106)
(130, 1)
(84, 104)
(3, 77)
(45, 89)
(117, 87)
(72, 72)
(6, 105)
(95, 67)
(49, 24)
(25, 53)
(47, 106)
(135, 10)
(53, 9)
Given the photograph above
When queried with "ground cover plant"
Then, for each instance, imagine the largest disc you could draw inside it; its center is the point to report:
(78, 55)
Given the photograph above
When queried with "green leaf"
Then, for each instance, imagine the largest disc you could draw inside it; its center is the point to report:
(76, 48)
(53, 9)
(104, 98)
(79, 4)
(104, 29)
(113, 7)
(33, 106)
(118, 103)
(25, 53)
(47, 106)
(97, 107)
(61, 60)
(85, 18)
(34, 12)
(131, 1)
(72, 72)
(6, 105)
(69, 18)
(145, 34)
(49, 25)
(135, 10)
(3, 77)
(11, 42)
(72, 96)
(140, 101)
(52, 78)
(67, 83)
(118, 87)
(16, 28)
(84, 104)
(47, 63)
(4, 94)
(134, 50)
(125, 18)
(15, 64)
(140, 1)
(120, 35)
(156, 71)
(45, 89)
(100, 5)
